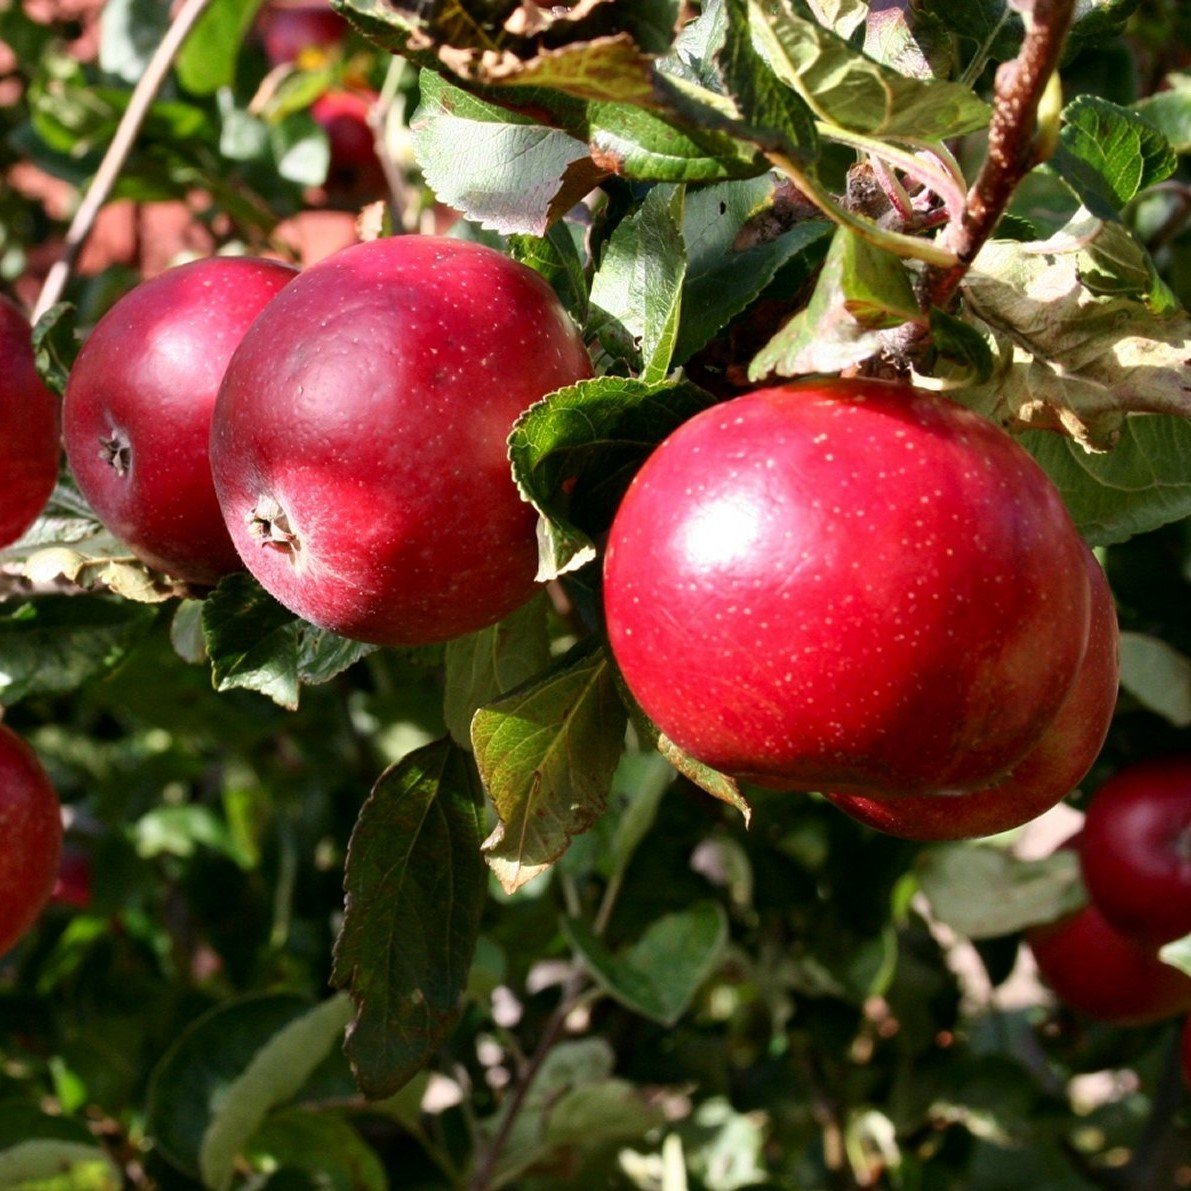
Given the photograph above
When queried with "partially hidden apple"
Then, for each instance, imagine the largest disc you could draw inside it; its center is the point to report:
(137, 411)
(1136, 850)
(1095, 969)
(289, 29)
(28, 429)
(847, 585)
(31, 831)
(359, 440)
(343, 116)
(1044, 776)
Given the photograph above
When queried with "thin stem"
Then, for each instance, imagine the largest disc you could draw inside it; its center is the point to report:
(1012, 146)
(114, 159)
(483, 1179)
(382, 111)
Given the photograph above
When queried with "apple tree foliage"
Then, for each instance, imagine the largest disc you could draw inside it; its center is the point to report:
(458, 916)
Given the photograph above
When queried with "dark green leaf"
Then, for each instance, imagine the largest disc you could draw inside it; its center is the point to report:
(960, 342)
(861, 291)
(547, 753)
(322, 1146)
(54, 645)
(574, 453)
(722, 278)
(637, 290)
(255, 644)
(207, 60)
(659, 975)
(55, 345)
(959, 878)
(1108, 154)
(486, 664)
(415, 885)
(556, 255)
(204, 1063)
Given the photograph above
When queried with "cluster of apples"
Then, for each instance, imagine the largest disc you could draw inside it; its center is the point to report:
(1135, 857)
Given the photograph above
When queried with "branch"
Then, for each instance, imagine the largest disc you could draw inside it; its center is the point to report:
(113, 161)
(1013, 148)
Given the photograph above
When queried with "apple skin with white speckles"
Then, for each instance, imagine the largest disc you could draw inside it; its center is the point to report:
(847, 585)
(359, 443)
(1044, 776)
(138, 405)
(28, 429)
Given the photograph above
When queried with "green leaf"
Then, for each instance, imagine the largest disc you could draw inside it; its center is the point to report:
(255, 644)
(325, 1147)
(53, 645)
(46, 1165)
(207, 60)
(275, 1074)
(659, 975)
(188, 1084)
(1108, 154)
(547, 753)
(1141, 484)
(415, 886)
(503, 170)
(960, 342)
(861, 291)
(556, 255)
(776, 116)
(718, 785)
(843, 87)
(55, 345)
(1170, 112)
(300, 149)
(724, 276)
(129, 32)
(575, 451)
(1072, 359)
(959, 878)
(1178, 954)
(486, 664)
(1158, 676)
(636, 294)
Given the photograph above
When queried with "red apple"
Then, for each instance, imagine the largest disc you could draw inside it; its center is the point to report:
(1047, 773)
(1095, 969)
(288, 29)
(73, 884)
(343, 116)
(28, 429)
(31, 830)
(138, 408)
(1136, 853)
(359, 440)
(847, 585)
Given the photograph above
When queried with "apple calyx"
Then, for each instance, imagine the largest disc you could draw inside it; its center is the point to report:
(269, 524)
(116, 451)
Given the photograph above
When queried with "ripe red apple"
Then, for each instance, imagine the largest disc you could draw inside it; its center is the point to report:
(359, 439)
(1136, 852)
(1044, 776)
(288, 29)
(28, 429)
(847, 585)
(343, 116)
(72, 886)
(138, 405)
(1097, 970)
(31, 831)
